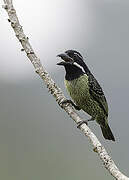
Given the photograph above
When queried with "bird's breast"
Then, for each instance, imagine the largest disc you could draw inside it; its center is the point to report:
(78, 89)
(79, 92)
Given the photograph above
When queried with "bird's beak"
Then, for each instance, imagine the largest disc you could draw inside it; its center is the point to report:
(67, 59)
(62, 55)
(62, 63)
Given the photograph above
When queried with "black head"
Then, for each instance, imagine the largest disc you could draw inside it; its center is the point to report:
(73, 63)
(74, 58)
(73, 53)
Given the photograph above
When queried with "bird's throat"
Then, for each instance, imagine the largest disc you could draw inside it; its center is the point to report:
(73, 72)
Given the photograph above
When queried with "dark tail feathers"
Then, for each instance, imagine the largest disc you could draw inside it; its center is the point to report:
(107, 133)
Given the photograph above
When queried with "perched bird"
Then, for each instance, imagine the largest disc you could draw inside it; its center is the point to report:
(85, 90)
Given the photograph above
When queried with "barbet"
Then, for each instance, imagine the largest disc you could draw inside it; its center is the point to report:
(85, 90)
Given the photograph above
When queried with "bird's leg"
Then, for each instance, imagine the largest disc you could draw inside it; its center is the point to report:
(85, 122)
(71, 102)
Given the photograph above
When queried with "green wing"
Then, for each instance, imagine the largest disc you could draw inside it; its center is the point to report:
(97, 94)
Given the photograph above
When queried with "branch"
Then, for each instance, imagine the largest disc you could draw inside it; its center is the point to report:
(57, 93)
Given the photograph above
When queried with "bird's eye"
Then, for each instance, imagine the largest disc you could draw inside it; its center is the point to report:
(77, 55)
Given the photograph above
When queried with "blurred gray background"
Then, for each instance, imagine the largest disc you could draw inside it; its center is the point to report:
(37, 139)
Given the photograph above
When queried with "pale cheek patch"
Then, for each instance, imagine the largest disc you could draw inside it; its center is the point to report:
(76, 64)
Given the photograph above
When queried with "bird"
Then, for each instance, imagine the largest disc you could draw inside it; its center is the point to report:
(85, 91)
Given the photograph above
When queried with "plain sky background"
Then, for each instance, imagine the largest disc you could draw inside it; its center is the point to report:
(38, 140)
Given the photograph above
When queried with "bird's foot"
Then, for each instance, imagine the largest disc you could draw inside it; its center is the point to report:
(91, 119)
(70, 102)
(84, 122)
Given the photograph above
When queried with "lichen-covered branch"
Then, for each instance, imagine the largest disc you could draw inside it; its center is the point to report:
(57, 93)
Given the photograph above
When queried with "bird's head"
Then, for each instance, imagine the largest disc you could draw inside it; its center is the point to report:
(72, 58)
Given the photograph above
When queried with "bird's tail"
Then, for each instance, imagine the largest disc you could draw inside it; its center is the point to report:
(107, 133)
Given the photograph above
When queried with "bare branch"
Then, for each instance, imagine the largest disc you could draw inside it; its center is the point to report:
(57, 93)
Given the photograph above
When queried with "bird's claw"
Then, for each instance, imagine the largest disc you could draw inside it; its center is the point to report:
(70, 102)
(82, 122)
(64, 102)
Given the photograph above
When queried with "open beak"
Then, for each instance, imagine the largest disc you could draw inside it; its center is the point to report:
(66, 58)
(62, 63)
